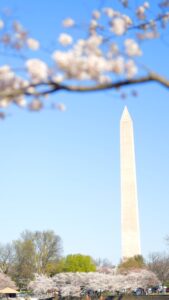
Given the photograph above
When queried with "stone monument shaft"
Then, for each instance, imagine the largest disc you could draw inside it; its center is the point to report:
(129, 202)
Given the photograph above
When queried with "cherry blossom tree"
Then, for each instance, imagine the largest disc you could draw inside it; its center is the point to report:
(70, 284)
(42, 285)
(109, 56)
(6, 281)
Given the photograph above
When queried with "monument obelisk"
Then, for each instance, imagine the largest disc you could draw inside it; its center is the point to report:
(129, 202)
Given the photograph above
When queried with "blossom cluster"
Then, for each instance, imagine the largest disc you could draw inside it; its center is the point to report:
(110, 51)
(86, 60)
(98, 57)
(16, 37)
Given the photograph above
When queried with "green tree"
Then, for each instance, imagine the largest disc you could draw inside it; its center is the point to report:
(135, 262)
(24, 264)
(35, 252)
(78, 263)
(47, 246)
(53, 268)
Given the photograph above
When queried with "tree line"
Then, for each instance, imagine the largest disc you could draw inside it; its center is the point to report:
(39, 252)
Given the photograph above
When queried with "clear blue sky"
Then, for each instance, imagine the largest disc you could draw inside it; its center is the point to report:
(60, 171)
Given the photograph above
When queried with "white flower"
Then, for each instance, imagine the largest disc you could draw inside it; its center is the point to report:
(140, 12)
(146, 5)
(61, 58)
(35, 105)
(117, 65)
(20, 101)
(61, 107)
(93, 24)
(58, 78)
(4, 69)
(96, 66)
(69, 22)
(31, 90)
(1, 24)
(132, 48)
(127, 19)
(114, 48)
(96, 14)
(6, 73)
(37, 69)
(103, 79)
(4, 102)
(32, 44)
(65, 39)
(131, 68)
(118, 26)
(109, 12)
(94, 41)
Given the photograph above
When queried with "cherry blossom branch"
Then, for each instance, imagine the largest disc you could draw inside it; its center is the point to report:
(55, 87)
(143, 25)
(118, 84)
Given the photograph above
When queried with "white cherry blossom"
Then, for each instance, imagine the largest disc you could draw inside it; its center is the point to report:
(58, 78)
(65, 39)
(118, 26)
(69, 22)
(35, 105)
(131, 68)
(37, 69)
(117, 65)
(96, 14)
(128, 20)
(61, 107)
(1, 24)
(140, 12)
(69, 284)
(109, 12)
(94, 41)
(6, 72)
(4, 103)
(32, 44)
(146, 5)
(20, 101)
(132, 48)
(93, 24)
(103, 79)
(105, 53)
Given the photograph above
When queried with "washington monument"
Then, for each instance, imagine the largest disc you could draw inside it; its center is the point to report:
(129, 203)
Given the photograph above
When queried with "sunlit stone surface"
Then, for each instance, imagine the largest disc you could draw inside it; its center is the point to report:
(129, 202)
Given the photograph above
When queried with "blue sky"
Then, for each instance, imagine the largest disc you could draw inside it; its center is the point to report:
(60, 171)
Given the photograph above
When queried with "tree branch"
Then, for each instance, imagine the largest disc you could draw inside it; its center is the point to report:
(52, 87)
(112, 85)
